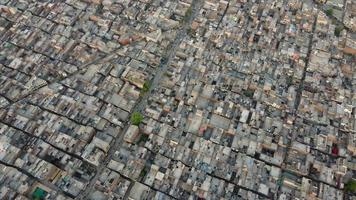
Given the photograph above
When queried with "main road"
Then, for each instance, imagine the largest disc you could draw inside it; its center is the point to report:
(142, 102)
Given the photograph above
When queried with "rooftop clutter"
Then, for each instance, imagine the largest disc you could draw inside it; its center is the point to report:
(235, 99)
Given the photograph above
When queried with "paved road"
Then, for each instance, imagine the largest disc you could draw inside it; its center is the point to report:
(142, 103)
(298, 99)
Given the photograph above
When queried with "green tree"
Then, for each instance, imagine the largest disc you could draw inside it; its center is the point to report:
(351, 186)
(190, 32)
(337, 31)
(146, 87)
(143, 172)
(143, 138)
(329, 12)
(136, 118)
(248, 93)
(289, 80)
(188, 14)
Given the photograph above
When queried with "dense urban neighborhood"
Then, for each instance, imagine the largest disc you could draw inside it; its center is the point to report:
(178, 99)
